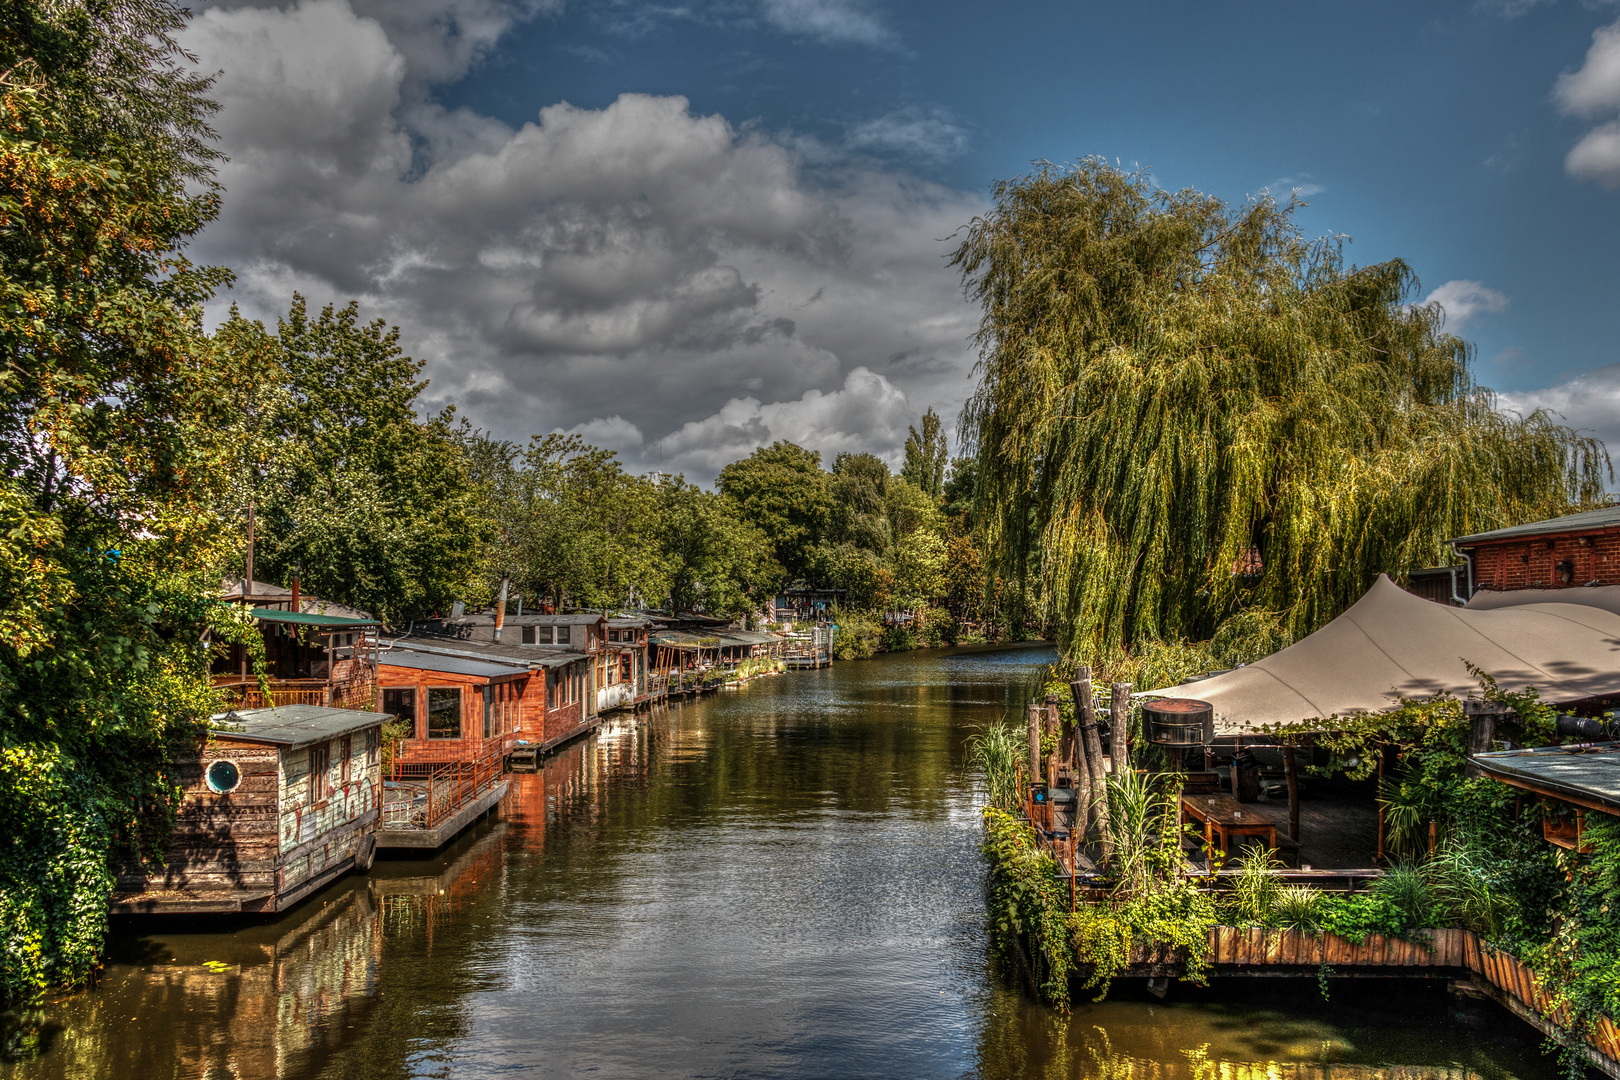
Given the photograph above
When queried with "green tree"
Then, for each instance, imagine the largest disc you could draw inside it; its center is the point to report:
(926, 456)
(371, 505)
(859, 489)
(782, 491)
(118, 427)
(716, 562)
(1170, 383)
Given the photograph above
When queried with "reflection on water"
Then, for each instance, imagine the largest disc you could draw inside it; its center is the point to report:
(779, 881)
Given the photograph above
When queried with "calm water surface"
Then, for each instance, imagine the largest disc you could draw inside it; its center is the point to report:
(780, 881)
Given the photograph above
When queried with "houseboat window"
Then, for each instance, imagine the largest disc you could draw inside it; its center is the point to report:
(625, 674)
(373, 745)
(343, 767)
(444, 712)
(563, 635)
(528, 635)
(224, 777)
(320, 782)
(401, 703)
(489, 695)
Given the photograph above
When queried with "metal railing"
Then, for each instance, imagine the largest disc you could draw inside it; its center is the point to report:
(426, 794)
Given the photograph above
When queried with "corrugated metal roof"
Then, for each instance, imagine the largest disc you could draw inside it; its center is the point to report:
(295, 725)
(305, 618)
(1602, 518)
(516, 656)
(449, 665)
(1590, 772)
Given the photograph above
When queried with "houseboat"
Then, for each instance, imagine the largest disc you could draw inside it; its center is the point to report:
(276, 803)
(322, 656)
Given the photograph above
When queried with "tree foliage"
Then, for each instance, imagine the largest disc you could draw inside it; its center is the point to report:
(783, 492)
(1174, 389)
(371, 505)
(117, 427)
(926, 455)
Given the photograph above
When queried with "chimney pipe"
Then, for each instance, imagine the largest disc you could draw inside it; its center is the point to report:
(295, 603)
(500, 608)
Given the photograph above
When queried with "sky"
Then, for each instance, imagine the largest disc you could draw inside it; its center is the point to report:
(688, 229)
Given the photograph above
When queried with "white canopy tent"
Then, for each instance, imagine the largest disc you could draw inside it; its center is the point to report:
(1391, 644)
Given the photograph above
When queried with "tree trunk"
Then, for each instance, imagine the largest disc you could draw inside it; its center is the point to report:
(1099, 779)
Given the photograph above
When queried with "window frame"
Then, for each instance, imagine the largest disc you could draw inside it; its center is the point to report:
(428, 712)
(320, 768)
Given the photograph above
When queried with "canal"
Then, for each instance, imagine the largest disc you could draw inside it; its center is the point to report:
(779, 881)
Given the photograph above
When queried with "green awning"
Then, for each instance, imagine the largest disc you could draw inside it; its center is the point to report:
(334, 622)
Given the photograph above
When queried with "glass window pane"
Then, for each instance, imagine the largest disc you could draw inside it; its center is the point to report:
(444, 712)
(563, 635)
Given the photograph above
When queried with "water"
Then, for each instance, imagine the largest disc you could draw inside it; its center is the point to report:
(780, 881)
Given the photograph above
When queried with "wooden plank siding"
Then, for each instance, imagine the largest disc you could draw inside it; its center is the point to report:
(472, 744)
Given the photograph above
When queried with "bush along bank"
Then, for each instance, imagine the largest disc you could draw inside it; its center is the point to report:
(1490, 872)
(863, 634)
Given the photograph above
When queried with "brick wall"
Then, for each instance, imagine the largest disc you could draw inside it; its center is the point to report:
(1533, 563)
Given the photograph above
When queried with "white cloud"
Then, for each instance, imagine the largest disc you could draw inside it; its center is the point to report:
(1597, 156)
(635, 263)
(931, 134)
(1589, 402)
(611, 433)
(1509, 9)
(1593, 90)
(838, 22)
(867, 413)
(1462, 300)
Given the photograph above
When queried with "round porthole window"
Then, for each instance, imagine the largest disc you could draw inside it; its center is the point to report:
(224, 776)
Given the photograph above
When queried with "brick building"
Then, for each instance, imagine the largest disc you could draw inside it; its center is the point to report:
(1569, 552)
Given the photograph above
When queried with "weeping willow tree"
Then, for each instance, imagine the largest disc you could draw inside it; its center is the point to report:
(1189, 411)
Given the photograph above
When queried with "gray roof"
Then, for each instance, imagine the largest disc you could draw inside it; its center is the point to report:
(629, 624)
(1605, 517)
(449, 665)
(512, 656)
(487, 618)
(293, 726)
(1590, 772)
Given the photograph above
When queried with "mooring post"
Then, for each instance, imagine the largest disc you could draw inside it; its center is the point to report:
(1482, 717)
(1080, 762)
(1094, 762)
(1053, 728)
(1119, 719)
(1035, 712)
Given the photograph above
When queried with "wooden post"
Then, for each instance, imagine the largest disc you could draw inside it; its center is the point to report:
(1052, 728)
(1119, 713)
(1086, 709)
(1084, 810)
(1292, 768)
(1034, 742)
(1379, 800)
(1481, 732)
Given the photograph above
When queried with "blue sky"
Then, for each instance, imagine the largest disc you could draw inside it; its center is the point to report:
(764, 257)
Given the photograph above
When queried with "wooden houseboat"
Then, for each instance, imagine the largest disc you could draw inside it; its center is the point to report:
(310, 659)
(276, 803)
(621, 665)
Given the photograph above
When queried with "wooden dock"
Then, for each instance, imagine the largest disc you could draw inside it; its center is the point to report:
(430, 839)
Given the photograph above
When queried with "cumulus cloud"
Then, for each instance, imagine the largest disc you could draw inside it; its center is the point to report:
(867, 413)
(1462, 300)
(613, 271)
(1589, 402)
(1593, 91)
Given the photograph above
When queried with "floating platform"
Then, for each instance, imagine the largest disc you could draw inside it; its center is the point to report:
(447, 830)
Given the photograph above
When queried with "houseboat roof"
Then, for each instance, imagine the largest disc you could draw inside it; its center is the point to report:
(515, 656)
(450, 665)
(1587, 774)
(628, 624)
(310, 618)
(1391, 646)
(1604, 517)
(487, 618)
(231, 589)
(293, 726)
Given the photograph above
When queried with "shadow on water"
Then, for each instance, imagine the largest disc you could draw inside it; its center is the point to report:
(777, 881)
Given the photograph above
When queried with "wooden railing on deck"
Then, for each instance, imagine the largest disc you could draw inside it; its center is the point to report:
(350, 694)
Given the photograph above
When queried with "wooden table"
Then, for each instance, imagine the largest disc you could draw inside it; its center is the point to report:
(1224, 819)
